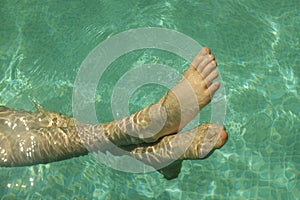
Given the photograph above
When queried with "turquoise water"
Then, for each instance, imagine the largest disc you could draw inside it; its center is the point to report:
(256, 44)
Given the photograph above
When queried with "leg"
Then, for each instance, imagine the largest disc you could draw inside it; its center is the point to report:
(178, 107)
(45, 145)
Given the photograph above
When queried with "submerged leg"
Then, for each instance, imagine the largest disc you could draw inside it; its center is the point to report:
(47, 145)
(18, 120)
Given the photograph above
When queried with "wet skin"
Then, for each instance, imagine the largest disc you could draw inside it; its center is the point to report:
(28, 138)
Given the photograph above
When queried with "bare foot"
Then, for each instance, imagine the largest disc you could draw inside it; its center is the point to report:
(167, 154)
(194, 144)
(177, 108)
(192, 93)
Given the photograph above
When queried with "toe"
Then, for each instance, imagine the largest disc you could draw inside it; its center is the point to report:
(213, 88)
(211, 77)
(200, 56)
(210, 67)
(205, 62)
(205, 50)
(223, 137)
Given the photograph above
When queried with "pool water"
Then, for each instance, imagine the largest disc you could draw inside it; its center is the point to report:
(257, 46)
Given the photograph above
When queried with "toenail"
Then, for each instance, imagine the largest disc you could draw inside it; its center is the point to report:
(207, 50)
(216, 73)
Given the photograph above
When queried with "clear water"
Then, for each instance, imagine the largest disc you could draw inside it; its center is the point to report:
(256, 43)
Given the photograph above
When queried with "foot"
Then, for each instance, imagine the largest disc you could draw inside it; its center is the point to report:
(177, 108)
(208, 137)
(191, 94)
(197, 143)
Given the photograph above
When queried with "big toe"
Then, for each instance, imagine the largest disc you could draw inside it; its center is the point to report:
(200, 56)
(222, 138)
